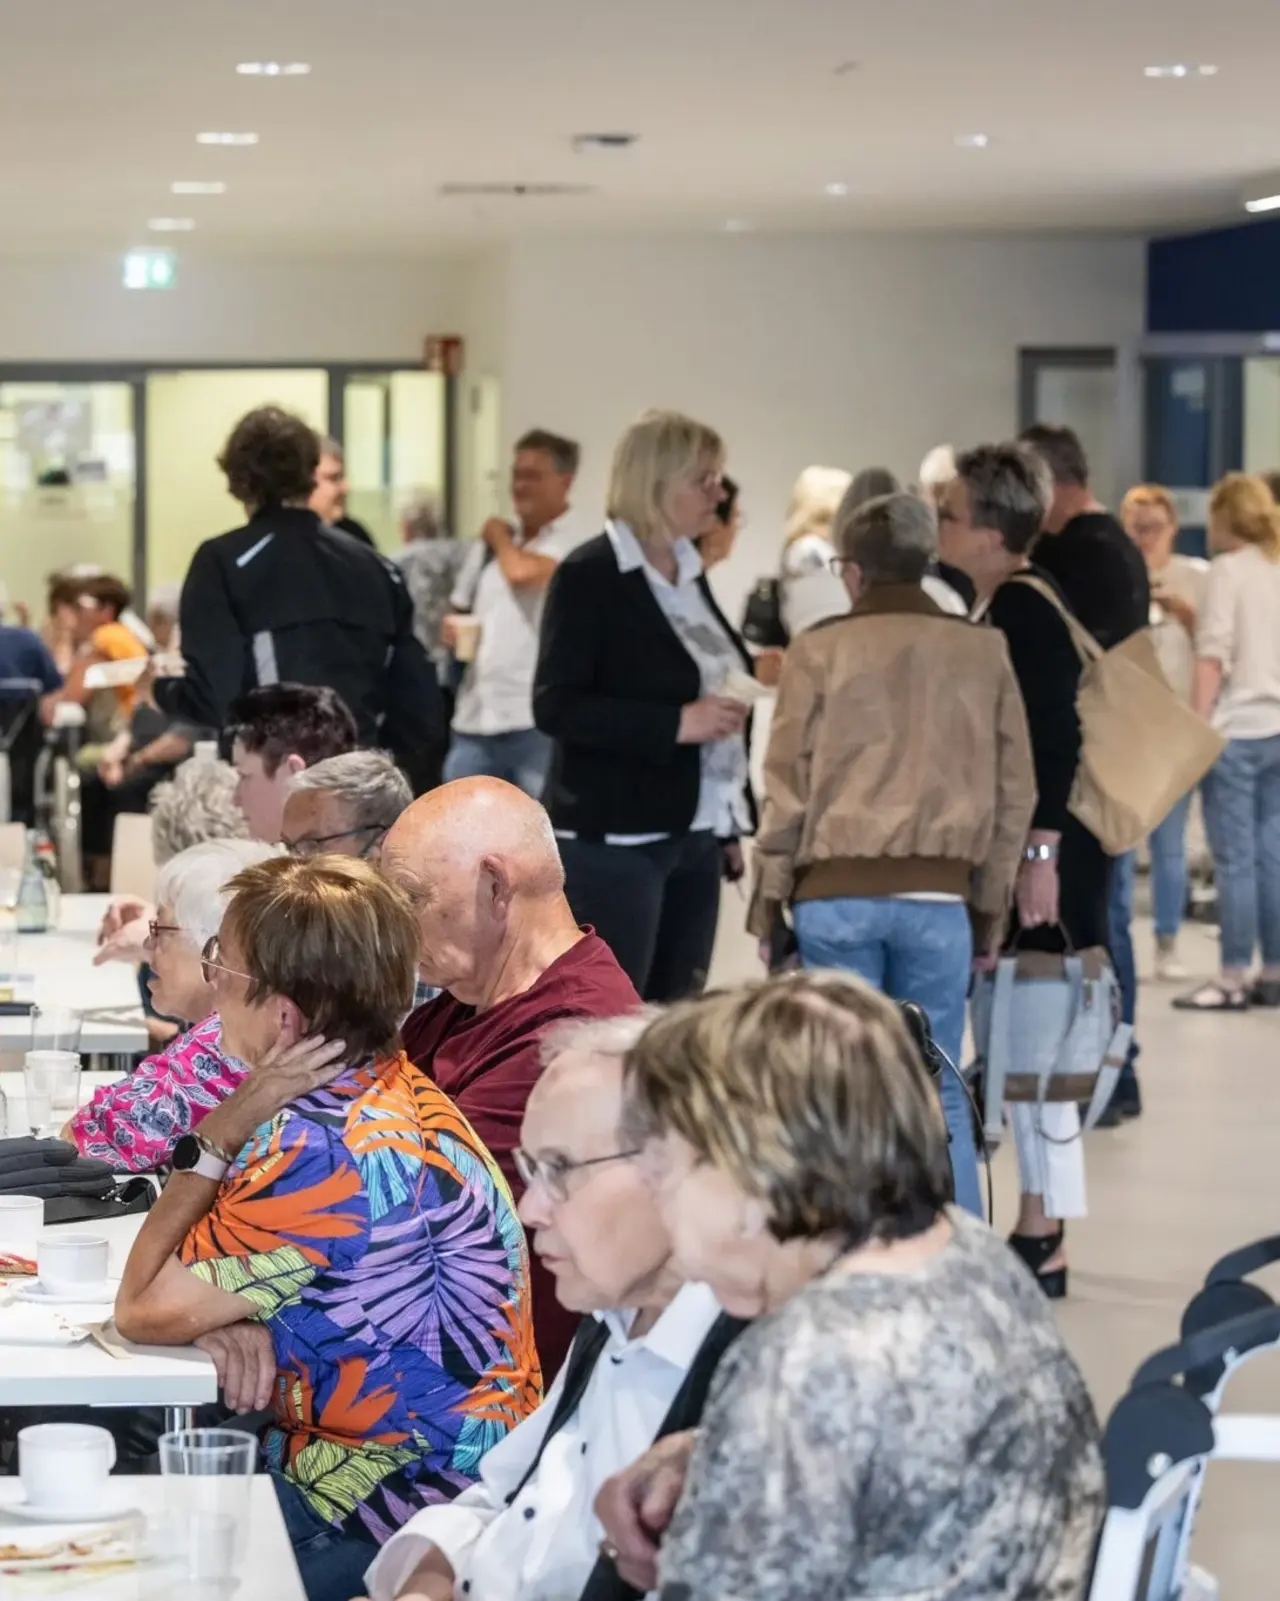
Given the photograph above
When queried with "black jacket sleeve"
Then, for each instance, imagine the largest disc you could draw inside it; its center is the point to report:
(567, 704)
(415, 727)
(1047, 668)
(213, 647)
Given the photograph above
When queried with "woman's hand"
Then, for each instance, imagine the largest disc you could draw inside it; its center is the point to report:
(1178, 608)
(285, 1073)
(768, 666)
(124, 931)
(1036, 894)
(712, 717)
(637, 1504)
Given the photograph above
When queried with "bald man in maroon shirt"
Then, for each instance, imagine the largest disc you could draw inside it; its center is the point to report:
(480, 863)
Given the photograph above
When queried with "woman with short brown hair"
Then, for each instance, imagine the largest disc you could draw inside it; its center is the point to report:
(902, 1417)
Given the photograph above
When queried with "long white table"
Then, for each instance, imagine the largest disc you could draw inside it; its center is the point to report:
(268, 1573)
(175, 1377)
(61, 962)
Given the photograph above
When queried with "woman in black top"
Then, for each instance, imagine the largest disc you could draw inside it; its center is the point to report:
(988, 519)
(636, 668)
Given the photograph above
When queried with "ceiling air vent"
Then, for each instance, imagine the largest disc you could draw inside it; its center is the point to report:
(514, 191)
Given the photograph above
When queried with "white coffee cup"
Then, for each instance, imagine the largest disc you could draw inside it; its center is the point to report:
(65, 1466)
(66, 1263)
(466, 636)
(21, 1219)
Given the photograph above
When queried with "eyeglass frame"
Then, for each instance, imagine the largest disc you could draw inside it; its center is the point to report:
(378, 831)
(212, 945)
(154, 930)
(531, 1170)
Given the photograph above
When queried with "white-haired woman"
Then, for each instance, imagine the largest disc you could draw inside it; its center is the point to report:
(810, 592)
(430, 561)
(135, 1123)
(635, 668)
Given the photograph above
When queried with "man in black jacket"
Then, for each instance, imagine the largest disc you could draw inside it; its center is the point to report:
(286, 599)
(1104, 577)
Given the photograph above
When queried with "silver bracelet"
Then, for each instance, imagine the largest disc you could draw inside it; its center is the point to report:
(1040, 853)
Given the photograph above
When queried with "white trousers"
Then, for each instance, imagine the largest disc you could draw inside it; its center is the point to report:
(1050, 1155)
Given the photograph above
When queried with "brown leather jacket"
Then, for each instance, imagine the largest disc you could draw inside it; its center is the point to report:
(899, 763)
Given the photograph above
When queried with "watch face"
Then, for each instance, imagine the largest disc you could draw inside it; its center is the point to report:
(186, 1153)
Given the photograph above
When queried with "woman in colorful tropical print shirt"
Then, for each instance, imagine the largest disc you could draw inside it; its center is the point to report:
(359, 1223)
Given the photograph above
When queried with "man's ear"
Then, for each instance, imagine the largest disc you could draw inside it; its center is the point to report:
(496, 888)
(755, 1219)
(293, 764)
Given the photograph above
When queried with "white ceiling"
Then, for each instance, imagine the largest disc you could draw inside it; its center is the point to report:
(741, 114)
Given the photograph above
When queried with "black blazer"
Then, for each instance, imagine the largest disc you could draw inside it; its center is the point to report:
(612, 678)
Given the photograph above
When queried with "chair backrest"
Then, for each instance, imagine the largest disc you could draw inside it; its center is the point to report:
(13, 846)
(133, 867)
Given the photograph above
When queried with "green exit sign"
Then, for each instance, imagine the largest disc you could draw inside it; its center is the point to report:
(150, 269)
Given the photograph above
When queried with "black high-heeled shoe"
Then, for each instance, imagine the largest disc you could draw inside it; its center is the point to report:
(1035, 1250)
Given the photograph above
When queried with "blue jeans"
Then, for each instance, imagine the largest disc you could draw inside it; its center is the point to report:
(918, 951)
(1242, 817)
(1168, 845)
(332, 1564)
(522, 757)
(1120, 943)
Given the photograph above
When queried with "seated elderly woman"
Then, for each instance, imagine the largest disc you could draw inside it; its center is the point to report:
(902, 1418)
(336, 1221)
(135, 1123)
(344, 805)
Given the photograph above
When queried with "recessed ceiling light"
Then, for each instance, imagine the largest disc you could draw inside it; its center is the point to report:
(273, 69)
(1180, 69)
(171, 224)
(226, 138)
(972, 141)
(836, 190)
(739, 225)
(196, 186)
(1263, 203)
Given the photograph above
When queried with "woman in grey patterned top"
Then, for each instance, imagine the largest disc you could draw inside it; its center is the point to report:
(902, 1419)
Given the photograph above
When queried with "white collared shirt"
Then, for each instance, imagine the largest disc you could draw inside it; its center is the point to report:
(543, 1546)
(496, 696)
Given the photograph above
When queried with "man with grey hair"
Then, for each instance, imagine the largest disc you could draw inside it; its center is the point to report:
(329, 498)
(528, 1526)
(344, 805)
(898, 790)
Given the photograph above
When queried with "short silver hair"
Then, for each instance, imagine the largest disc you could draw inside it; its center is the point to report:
(1010, 489)
(421, 517)
(196, 804)
(368, 783)
(610, 1037)
(892, 539)
(193, 884)
(938, 469)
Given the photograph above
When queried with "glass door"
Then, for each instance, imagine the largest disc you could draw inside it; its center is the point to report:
(1194, 410)
(67, 484)
(1075, 388)
(393, 433)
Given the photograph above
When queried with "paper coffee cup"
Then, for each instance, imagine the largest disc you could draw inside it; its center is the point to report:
(467, 634)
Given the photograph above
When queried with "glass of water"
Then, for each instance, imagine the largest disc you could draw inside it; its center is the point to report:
(51, 1080)
(56, 1028)
(208, 1482)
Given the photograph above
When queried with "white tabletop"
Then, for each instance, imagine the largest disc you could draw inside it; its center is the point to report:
(269, 1572)
(62, 963)
(86, 1375)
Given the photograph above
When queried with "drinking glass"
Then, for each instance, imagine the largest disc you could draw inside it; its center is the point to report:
(52, 1083)
(208, 1481)
(10, 882)
(56, 1028)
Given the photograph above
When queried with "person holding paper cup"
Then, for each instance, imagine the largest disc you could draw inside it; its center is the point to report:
(641, 682)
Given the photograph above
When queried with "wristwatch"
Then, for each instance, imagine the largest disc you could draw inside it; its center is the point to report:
(192, 1154)
(1040, 853)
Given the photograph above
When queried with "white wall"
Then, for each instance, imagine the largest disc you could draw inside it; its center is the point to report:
(227, 308)
(838, 349)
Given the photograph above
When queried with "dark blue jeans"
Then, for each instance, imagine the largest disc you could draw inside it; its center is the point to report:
(1120, 917)
(332, 1564)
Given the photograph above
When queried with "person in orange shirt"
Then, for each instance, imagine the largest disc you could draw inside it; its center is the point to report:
(99, 636)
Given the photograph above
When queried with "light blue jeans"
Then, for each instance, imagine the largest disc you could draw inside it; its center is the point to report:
(522, 757)
(1169, 870)
(1242, 819)
(918, 951)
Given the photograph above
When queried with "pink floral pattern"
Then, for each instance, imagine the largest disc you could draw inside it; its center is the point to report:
(134, 1124)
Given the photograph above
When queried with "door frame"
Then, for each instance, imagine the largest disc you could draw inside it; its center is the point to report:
(136, 373)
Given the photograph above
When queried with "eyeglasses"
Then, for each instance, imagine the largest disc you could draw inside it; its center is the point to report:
(209, 965)
(314, 844)
(555, 1172)
(154, 930)
(710, 483)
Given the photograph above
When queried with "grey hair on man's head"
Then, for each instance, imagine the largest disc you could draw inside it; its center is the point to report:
(421, 517)
(1010, 489)
(891, 539)
(193, 884)
(869, 484)
(367, 782)
(938, 469)
(608, 1037)
(329, 446)
(198, 803)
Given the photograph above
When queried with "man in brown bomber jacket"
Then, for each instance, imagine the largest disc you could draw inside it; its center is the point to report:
(898, 790)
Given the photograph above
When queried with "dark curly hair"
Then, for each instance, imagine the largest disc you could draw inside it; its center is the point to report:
(279, 720)
(271, 458)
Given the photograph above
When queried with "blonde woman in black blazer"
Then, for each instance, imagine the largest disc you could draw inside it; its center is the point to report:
(649, 771)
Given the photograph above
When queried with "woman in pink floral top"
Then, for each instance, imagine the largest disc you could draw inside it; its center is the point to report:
(135, 1123)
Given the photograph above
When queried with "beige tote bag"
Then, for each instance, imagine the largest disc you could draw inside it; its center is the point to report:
(1142, 747)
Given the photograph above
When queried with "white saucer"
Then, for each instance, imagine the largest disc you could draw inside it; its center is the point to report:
(103, 1293)
(110, 1509)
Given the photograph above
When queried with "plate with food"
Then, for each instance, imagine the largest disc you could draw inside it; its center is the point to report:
(52, 1548)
